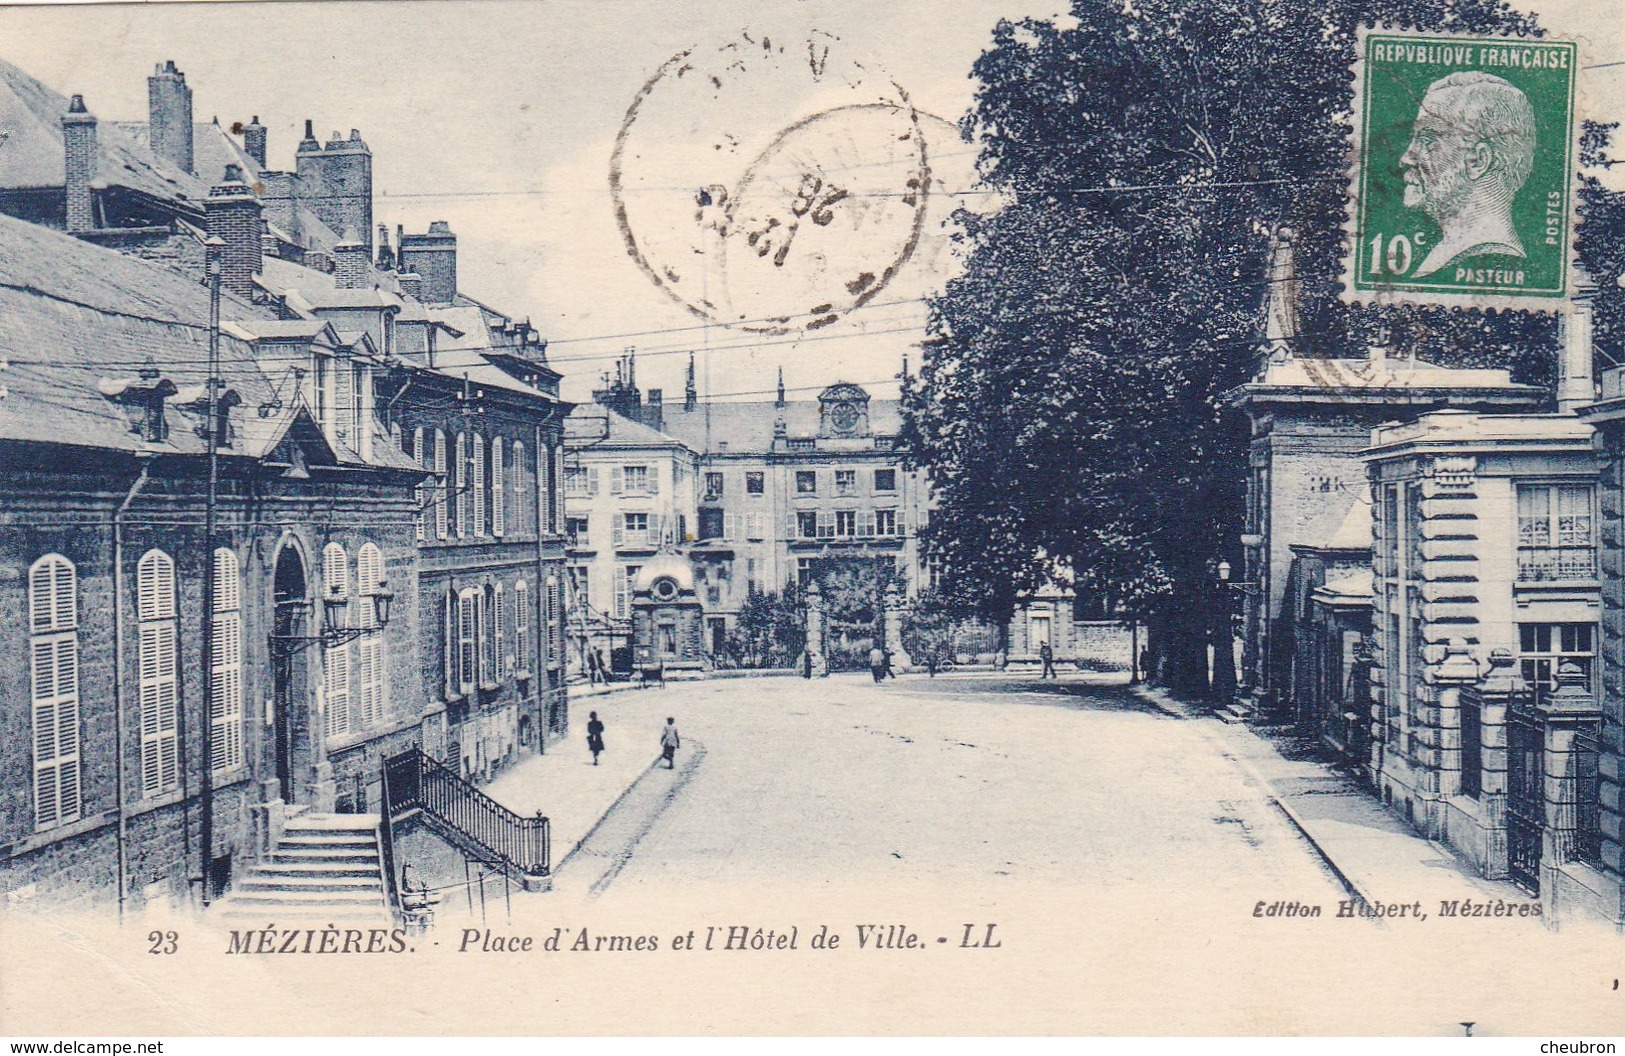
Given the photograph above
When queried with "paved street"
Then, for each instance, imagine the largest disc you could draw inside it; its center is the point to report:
(965, 779)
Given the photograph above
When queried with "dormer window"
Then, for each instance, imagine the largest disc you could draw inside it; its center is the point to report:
(143, 401)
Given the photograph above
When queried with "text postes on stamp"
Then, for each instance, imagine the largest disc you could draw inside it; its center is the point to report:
(770, 225)
(1464, 159)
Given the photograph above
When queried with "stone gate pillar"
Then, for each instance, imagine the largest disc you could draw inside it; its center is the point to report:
(813, 663)
(894, 629)
(1496, 691)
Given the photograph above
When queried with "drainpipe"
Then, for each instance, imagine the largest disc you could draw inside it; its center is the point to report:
(543, 527)
(118, 678)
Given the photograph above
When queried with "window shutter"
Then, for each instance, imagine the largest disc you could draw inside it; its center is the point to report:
(420, 455)
(343, 397)
(592, 480)
(499, 485)
(466, 632)
(620, 529)
(555, 623)
(615, 482)
(226, 665)
(440, 484)
(482, 485)
(448, 655)
(158, 670)
(653, 477)
(54, 663)
(521, 513)
(730, 526)
(620, 592)
(336, 689)
(521, 626)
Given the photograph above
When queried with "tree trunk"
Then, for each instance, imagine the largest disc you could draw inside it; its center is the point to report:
(1177, 641)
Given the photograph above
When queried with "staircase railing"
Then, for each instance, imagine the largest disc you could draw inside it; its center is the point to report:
(386, 848)
(415, 781)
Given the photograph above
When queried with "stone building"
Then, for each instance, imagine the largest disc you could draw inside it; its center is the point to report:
(120, 778)
(784, 490)
(1485, 545)
(1310, 420)
(629, 490)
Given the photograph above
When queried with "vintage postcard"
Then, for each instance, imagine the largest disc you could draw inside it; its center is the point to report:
(546, 518)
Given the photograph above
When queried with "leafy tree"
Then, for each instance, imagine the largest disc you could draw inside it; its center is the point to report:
(1069, 402)
(768, 632)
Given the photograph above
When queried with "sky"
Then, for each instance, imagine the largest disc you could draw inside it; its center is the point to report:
(502, 118)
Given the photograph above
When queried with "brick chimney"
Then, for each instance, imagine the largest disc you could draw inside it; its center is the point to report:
(169, 115)
(232, 214)
(79, 166)
(654, 414)
(386, 255)
(254, 141)
(411, 285)
(334, 181)
(352, 264)
(434, 256)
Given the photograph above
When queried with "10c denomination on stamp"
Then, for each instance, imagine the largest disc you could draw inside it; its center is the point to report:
(1464, 183)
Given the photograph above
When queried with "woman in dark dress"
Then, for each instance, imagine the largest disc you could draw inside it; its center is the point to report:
(595, 736)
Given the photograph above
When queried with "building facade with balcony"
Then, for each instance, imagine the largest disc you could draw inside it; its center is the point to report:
(1486, 684)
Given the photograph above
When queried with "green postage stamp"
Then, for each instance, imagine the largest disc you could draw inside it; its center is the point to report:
(1464, 183)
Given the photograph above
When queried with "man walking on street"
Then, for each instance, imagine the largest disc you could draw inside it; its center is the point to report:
(877, 664)
(1047, 655)
(669, 743)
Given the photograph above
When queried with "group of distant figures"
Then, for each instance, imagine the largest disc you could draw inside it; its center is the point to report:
(669, 740)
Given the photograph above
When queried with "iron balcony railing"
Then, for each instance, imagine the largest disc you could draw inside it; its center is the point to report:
(1552, 564)
(415, 781)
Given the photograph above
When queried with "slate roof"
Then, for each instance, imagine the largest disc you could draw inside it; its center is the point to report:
(33, 152)
(213, 148)
(749, 426)
(77, 320)
(73, 315)
(585, 428)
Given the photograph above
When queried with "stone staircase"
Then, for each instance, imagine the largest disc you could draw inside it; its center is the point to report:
(327, 868)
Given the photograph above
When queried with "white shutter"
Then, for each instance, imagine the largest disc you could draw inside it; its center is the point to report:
(158, 670)
(615, 480)
(619, 533)
(481, 490)
(652, 475)
(554, 628)
(621, 587)
(466, 642)
(521, 625)
(730, 526)
(499, 486)
(440, 484)
(336, 689)
(499, 637)
(592, 480)
(54, 670)
(427, 462)
(226, 666)
(343, 398)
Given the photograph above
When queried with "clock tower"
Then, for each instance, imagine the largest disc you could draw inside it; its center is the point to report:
(843, 411)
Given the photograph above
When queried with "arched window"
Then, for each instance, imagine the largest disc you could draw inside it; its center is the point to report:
(336, 658)
(226, 665)
(481, 485)
(521, 513)
(159, 672)
(369, 576)
(499, 488)
(440, 510)
(521, 625)
(53, 660)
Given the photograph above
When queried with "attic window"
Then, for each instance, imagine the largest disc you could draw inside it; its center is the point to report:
(154, 426)
(143, 402)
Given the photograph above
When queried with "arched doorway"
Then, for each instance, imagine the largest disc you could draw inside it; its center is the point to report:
(290, 696)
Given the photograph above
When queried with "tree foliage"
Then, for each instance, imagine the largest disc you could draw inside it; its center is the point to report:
(769, 630)
(1142, 152)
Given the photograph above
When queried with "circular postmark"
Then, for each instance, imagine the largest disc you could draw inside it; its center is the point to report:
(769, 184)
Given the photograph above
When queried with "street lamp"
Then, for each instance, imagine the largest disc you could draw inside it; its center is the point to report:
(334, 604)
(1223, 684)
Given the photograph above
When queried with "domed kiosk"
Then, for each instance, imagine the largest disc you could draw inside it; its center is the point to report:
(667, 619)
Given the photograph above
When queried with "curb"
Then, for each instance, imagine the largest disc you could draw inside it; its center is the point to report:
(593, 828)
(1153, 697)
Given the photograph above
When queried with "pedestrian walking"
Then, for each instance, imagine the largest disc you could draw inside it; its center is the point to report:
(931, 663)
(592, 668)
(603, 668)
(877, 664)
(886, 658)
(1047, 656)
(595, 736)
(670, 742)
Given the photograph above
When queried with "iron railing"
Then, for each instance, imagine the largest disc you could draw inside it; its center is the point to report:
(1587, 800)
(415, 781)
(386, 847)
